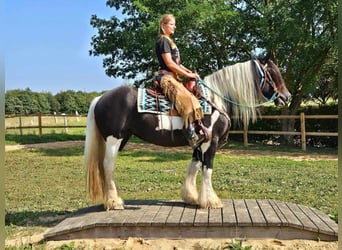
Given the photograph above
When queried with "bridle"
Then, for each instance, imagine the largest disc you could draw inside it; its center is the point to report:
(266, 79)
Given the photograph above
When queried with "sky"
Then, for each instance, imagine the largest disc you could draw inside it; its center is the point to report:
(47, 46)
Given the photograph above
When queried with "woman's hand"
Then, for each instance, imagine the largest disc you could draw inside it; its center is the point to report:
(193, 75)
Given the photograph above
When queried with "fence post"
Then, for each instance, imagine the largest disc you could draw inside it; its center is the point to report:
(40, 124)
(302, 131)
(20, 125)
(245, 135)
(65, 124)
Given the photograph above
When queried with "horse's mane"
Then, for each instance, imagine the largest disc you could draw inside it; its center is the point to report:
(237, 84)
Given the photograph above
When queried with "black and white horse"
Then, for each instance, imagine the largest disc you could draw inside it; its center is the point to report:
(113, 118)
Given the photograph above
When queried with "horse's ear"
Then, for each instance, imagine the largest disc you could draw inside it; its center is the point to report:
(266, 58)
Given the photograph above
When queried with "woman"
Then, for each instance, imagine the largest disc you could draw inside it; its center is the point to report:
(185, 102)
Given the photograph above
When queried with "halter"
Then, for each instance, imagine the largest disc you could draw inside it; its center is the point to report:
(265, 79)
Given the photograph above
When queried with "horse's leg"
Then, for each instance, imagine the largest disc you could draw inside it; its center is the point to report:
(208, 197)
(189, 190)
(113, 201)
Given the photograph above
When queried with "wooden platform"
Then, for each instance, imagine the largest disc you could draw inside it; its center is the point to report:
(174, 220)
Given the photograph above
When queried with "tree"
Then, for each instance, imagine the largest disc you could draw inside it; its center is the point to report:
(68, 101)
(23, 101)
(301, 35)
(212, 34)
(205, 40)
(327, 81)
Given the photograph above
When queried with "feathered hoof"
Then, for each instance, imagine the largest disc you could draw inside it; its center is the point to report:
(212, 204)
(190, 201)
(112, 204)
(190, 198)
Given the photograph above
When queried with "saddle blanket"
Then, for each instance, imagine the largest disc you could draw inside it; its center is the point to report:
(148, 103)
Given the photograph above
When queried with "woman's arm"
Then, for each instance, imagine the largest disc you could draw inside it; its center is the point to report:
(178, 69)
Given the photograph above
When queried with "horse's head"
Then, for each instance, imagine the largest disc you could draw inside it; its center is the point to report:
(273, 85)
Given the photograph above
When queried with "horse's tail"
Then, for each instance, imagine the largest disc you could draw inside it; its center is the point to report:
(94, 150)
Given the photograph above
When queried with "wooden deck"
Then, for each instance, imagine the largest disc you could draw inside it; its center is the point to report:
(174, 219)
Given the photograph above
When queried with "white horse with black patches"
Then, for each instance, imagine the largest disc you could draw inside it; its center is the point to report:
(113, 118)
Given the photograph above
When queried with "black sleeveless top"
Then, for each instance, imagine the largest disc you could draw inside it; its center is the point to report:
(164, 45)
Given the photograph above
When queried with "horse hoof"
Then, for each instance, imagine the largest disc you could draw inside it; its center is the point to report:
(212, 205)
(114, 205)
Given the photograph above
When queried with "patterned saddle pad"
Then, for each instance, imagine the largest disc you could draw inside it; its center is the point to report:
(148, 103)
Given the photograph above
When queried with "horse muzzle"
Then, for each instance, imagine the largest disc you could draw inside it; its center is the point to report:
(282, 99)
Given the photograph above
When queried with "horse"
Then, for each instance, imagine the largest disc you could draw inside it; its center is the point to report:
(113, 118)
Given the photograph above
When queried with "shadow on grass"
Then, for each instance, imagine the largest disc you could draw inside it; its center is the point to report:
(12, 139)
(64, 152)
(37, 218)
(156, 156)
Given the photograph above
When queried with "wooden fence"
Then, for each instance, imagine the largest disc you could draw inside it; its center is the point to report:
(245, 132)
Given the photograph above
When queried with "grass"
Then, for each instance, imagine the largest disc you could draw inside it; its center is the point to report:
(44, 186)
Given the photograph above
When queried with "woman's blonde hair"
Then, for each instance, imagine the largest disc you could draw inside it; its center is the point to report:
(164, 20)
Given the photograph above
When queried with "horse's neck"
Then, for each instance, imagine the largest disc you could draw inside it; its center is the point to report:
(236, 90)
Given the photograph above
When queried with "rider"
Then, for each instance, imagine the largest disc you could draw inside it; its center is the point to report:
(170, 68)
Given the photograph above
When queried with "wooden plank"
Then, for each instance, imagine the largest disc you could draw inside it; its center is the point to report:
(321, 225)
(255, 213)
(175, 214)
(188, 217)
(242, 214)
(215, 217)
(269, 213)
(332, 224)
(162, 215)
(201, 217)
(279, 213)
(228, 213)
(135, 215)
(291, 218)
(306, 222)
(151, 210)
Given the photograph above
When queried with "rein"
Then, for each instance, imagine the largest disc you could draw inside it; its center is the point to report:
(263, 81)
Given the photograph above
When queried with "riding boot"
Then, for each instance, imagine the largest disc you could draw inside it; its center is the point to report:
(193, 139)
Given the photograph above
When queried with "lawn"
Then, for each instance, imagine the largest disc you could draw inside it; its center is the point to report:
(43, 186)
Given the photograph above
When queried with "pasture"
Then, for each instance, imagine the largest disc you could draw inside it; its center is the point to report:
(43, 186)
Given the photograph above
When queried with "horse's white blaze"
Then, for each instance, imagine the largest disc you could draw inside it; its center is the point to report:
(189, 190)
(112, 149)
(208, 198)
(166, 122)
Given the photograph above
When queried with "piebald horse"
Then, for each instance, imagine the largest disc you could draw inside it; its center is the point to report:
(113, 118)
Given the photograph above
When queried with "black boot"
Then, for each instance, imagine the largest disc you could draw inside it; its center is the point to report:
(193, 139)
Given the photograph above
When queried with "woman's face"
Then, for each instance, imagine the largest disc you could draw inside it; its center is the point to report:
(169, 27)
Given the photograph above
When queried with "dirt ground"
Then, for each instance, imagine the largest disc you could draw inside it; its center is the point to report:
(174, 244)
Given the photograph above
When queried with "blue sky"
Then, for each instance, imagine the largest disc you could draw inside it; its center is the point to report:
(47, 46)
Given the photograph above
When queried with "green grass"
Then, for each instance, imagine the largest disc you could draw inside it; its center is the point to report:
(44, 186)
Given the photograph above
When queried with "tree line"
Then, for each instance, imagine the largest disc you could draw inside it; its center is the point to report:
(29, 102)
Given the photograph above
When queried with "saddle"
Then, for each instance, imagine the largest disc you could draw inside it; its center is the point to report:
(192, 86)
